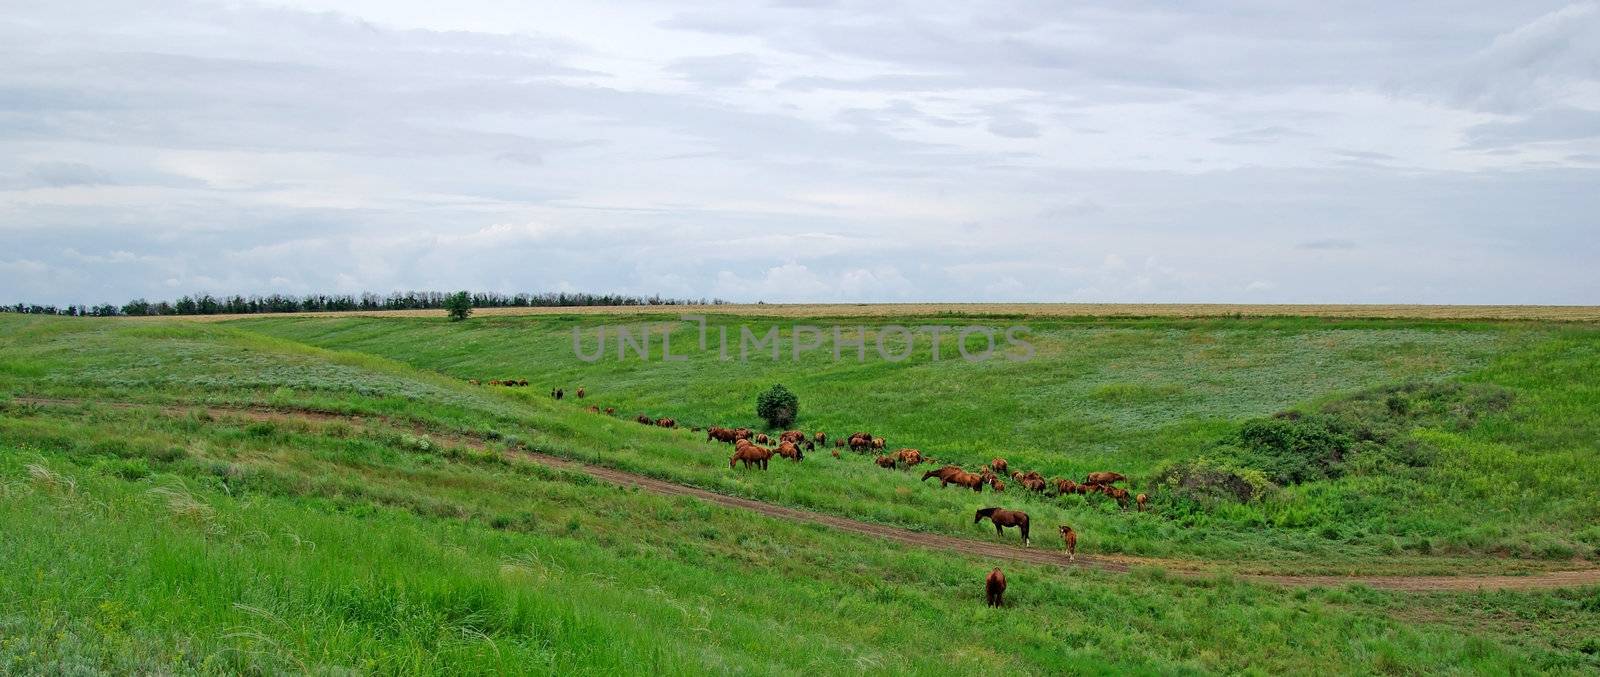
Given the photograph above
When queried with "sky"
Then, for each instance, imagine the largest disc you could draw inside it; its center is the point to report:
(1128, 151)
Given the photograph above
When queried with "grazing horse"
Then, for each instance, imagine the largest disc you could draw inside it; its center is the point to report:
(836, 453)
(1003, 518)
(1065, 486)
(667, 422)
(1117, 493)
(877, 443)
(741, 434)
(999, 465)
(794, 436)
(908, 456)
(560, 393)
(994, 588)
(473, 381)
(884, 462)
(522, 382)
(821, 438)
(1033, 484)
(996, 484)
(594, 409)
(860, 441)
(719, 434)
(644, 419)
(1141, 499)
(761, 438)
(611, 411)
(942, 473)
(790, 451)
(1069, 540)
(838, 443)
(750, 454)
(964, 479)
(580, 392)
(1103, 477)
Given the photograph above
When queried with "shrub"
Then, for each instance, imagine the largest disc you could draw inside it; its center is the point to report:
(1208, 481)
(778, 406)
(458, 306)
(1296, 448)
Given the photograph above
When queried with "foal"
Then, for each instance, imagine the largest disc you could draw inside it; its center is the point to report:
(1069, 539)
(994, 587)
(1003, 518)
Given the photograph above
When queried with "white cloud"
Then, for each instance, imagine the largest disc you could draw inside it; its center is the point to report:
(842, 151)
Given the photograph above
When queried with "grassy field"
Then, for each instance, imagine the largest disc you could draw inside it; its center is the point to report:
(143, 540)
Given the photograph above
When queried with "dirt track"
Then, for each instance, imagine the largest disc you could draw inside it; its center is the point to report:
(1547, 580)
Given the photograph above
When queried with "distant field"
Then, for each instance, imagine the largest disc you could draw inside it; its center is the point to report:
(824, 310)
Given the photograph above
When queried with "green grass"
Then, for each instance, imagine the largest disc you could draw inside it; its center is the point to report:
(318, 548)
(140, 541)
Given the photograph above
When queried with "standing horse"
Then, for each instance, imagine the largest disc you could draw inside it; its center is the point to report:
(994, 588)
(1069, 540)
(750, 454)
(1141, 499)
(999, 465)
(1003, 518)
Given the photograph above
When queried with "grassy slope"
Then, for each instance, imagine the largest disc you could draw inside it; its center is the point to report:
(1125, 395)
(139, 542)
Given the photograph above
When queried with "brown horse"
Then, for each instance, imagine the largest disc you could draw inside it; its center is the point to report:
(790, 451)
(794, 436)
(884, 462)
(741, 434)
(860, 441)
(1141, 499)
(996, 484)
(943, 472)
(593, 409)
(719, 434)
(821, 438)
(1003, 518)
(964, 479)
(761, 438)
(877, 443)
(838, 443)
(473, 381)
(1065, 486)
(611, 411)
(666, 423)
(908, 456)
(1117, 493)
(580, 392)
(836, 453)
(750, 454)
(999, 465)
(643, 419)
(994, 588)
(1033, 484)
(1103, 477)
(1069, 540)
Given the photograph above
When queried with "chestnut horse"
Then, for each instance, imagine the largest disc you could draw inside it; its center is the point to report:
(1069, 540)
(884, 462)
(1104, 477)
(750, 454)
(994, 588)
(1141, 499)
(999, 465)
(790, 451)
(1003, 518)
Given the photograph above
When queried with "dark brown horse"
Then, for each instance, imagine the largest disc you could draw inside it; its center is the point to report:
(1069, 540)
(1003, 518)
(580, 392)
(994, 588)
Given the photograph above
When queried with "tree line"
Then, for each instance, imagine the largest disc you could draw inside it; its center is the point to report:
(207, 304)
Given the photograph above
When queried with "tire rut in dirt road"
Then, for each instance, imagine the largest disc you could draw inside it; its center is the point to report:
(939, 542)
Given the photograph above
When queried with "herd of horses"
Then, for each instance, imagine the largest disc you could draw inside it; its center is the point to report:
(751, 448)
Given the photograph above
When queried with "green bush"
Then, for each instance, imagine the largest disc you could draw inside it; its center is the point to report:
(778, 406)
(1209, 481)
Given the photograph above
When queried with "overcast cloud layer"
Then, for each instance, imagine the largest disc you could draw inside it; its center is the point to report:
(804, 151)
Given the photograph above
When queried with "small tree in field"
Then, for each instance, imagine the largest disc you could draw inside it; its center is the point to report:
(778, 406)
(458, 305)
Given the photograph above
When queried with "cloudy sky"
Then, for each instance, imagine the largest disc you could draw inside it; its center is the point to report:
(804, 151)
